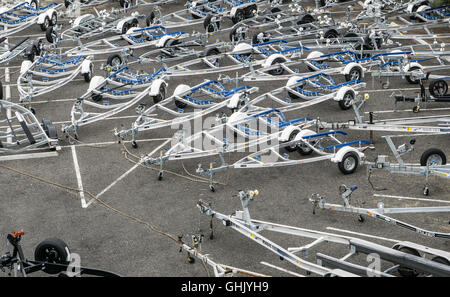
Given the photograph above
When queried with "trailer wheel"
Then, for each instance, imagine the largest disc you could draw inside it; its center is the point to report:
(134, 144)
(46, 24)
(88, 76)
(438, 88)
(304, 150)
(355, 73)
(409, 78)
(52, 250)
(32, 54)
(149, 20)
(50, 34)
(54, 19)
(346, 102)
(213, 51)
(125, 3)
(210, 26)
(441, 260)
(1, 91)
(248, 11)
(404, 271)
(234, 36)
(260, 37)
(34, 4)
(161, 95)
(350, 34)
(331, 34)
(67, 3)
(49, 128)
(278, 71)
(349, 163)
(306, 19)
(293, 147)
(238, 17)
(433, 156)
(114, 61)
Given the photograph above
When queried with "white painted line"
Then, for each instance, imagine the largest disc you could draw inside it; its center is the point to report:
(77, 172)
(410, 198)
(362, 234)
(126, 173)
(28, 156)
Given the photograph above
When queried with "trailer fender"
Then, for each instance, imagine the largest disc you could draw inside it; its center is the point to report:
(287, 132)
(268, 62)
(162, 41)
(156, 84)
(131, 30)
(340, 94)
(86, 66)
(233, 11)
(342, 151)
(412, 64)
(236, 118)
(123, 22)
(410, 8)
(181, 90)
(242, 48)
(26, 65)
(292, 81)
(313, 55)
(95, 82)
(234, 101)
(349, 66)
(81, 19)
(422, 8)
(42, 16)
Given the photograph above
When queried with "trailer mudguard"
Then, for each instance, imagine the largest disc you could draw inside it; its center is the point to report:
(86, 66)
(242, 48)
(314, 55)
(81, 19)
(181, 90)
(268, 62)
(156, 84)
(292, 81)
(349, 66)
(26, 65)
(162, 41)
(341, 92)
(412, 64)
(234, 101)
(342, 151)
(287, 132)
(95, 82)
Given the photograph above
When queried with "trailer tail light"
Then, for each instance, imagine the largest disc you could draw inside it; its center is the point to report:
(20, 233)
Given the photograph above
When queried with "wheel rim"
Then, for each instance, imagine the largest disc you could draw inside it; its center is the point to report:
(347, 100)
(51, 255)
(354, 75)
(33, 4)
(439, 88)
(116, 62)
(349, 163)
(434, 159)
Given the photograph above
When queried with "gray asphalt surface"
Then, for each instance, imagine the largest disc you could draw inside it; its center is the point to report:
(107, 240)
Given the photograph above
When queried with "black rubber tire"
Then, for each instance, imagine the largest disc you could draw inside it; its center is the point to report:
(150, 19)
(409, 79)
(134, 144)
(35, 3)
(49, 34)
(54, 19)
(348, 77)
(239, 16)
(343, 103)
(33, 54)
(233, 33)
(88, 76)
(430, 152)
(346, 156)
(291, 137)
(112, 58)
(293, 96)
(278, 71)
(1, 91)
(331, 34)
(207, 23)
(125, 28)
(441, 260)
(438, 88)
(125, 2)
(212, 51)
(255, 38)
(161, 96)
(275, 10)
(350, 34)
(404, 271)
(52, 250)
(67, 3)
(46, 24)
(248, 11)
(306, 19)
